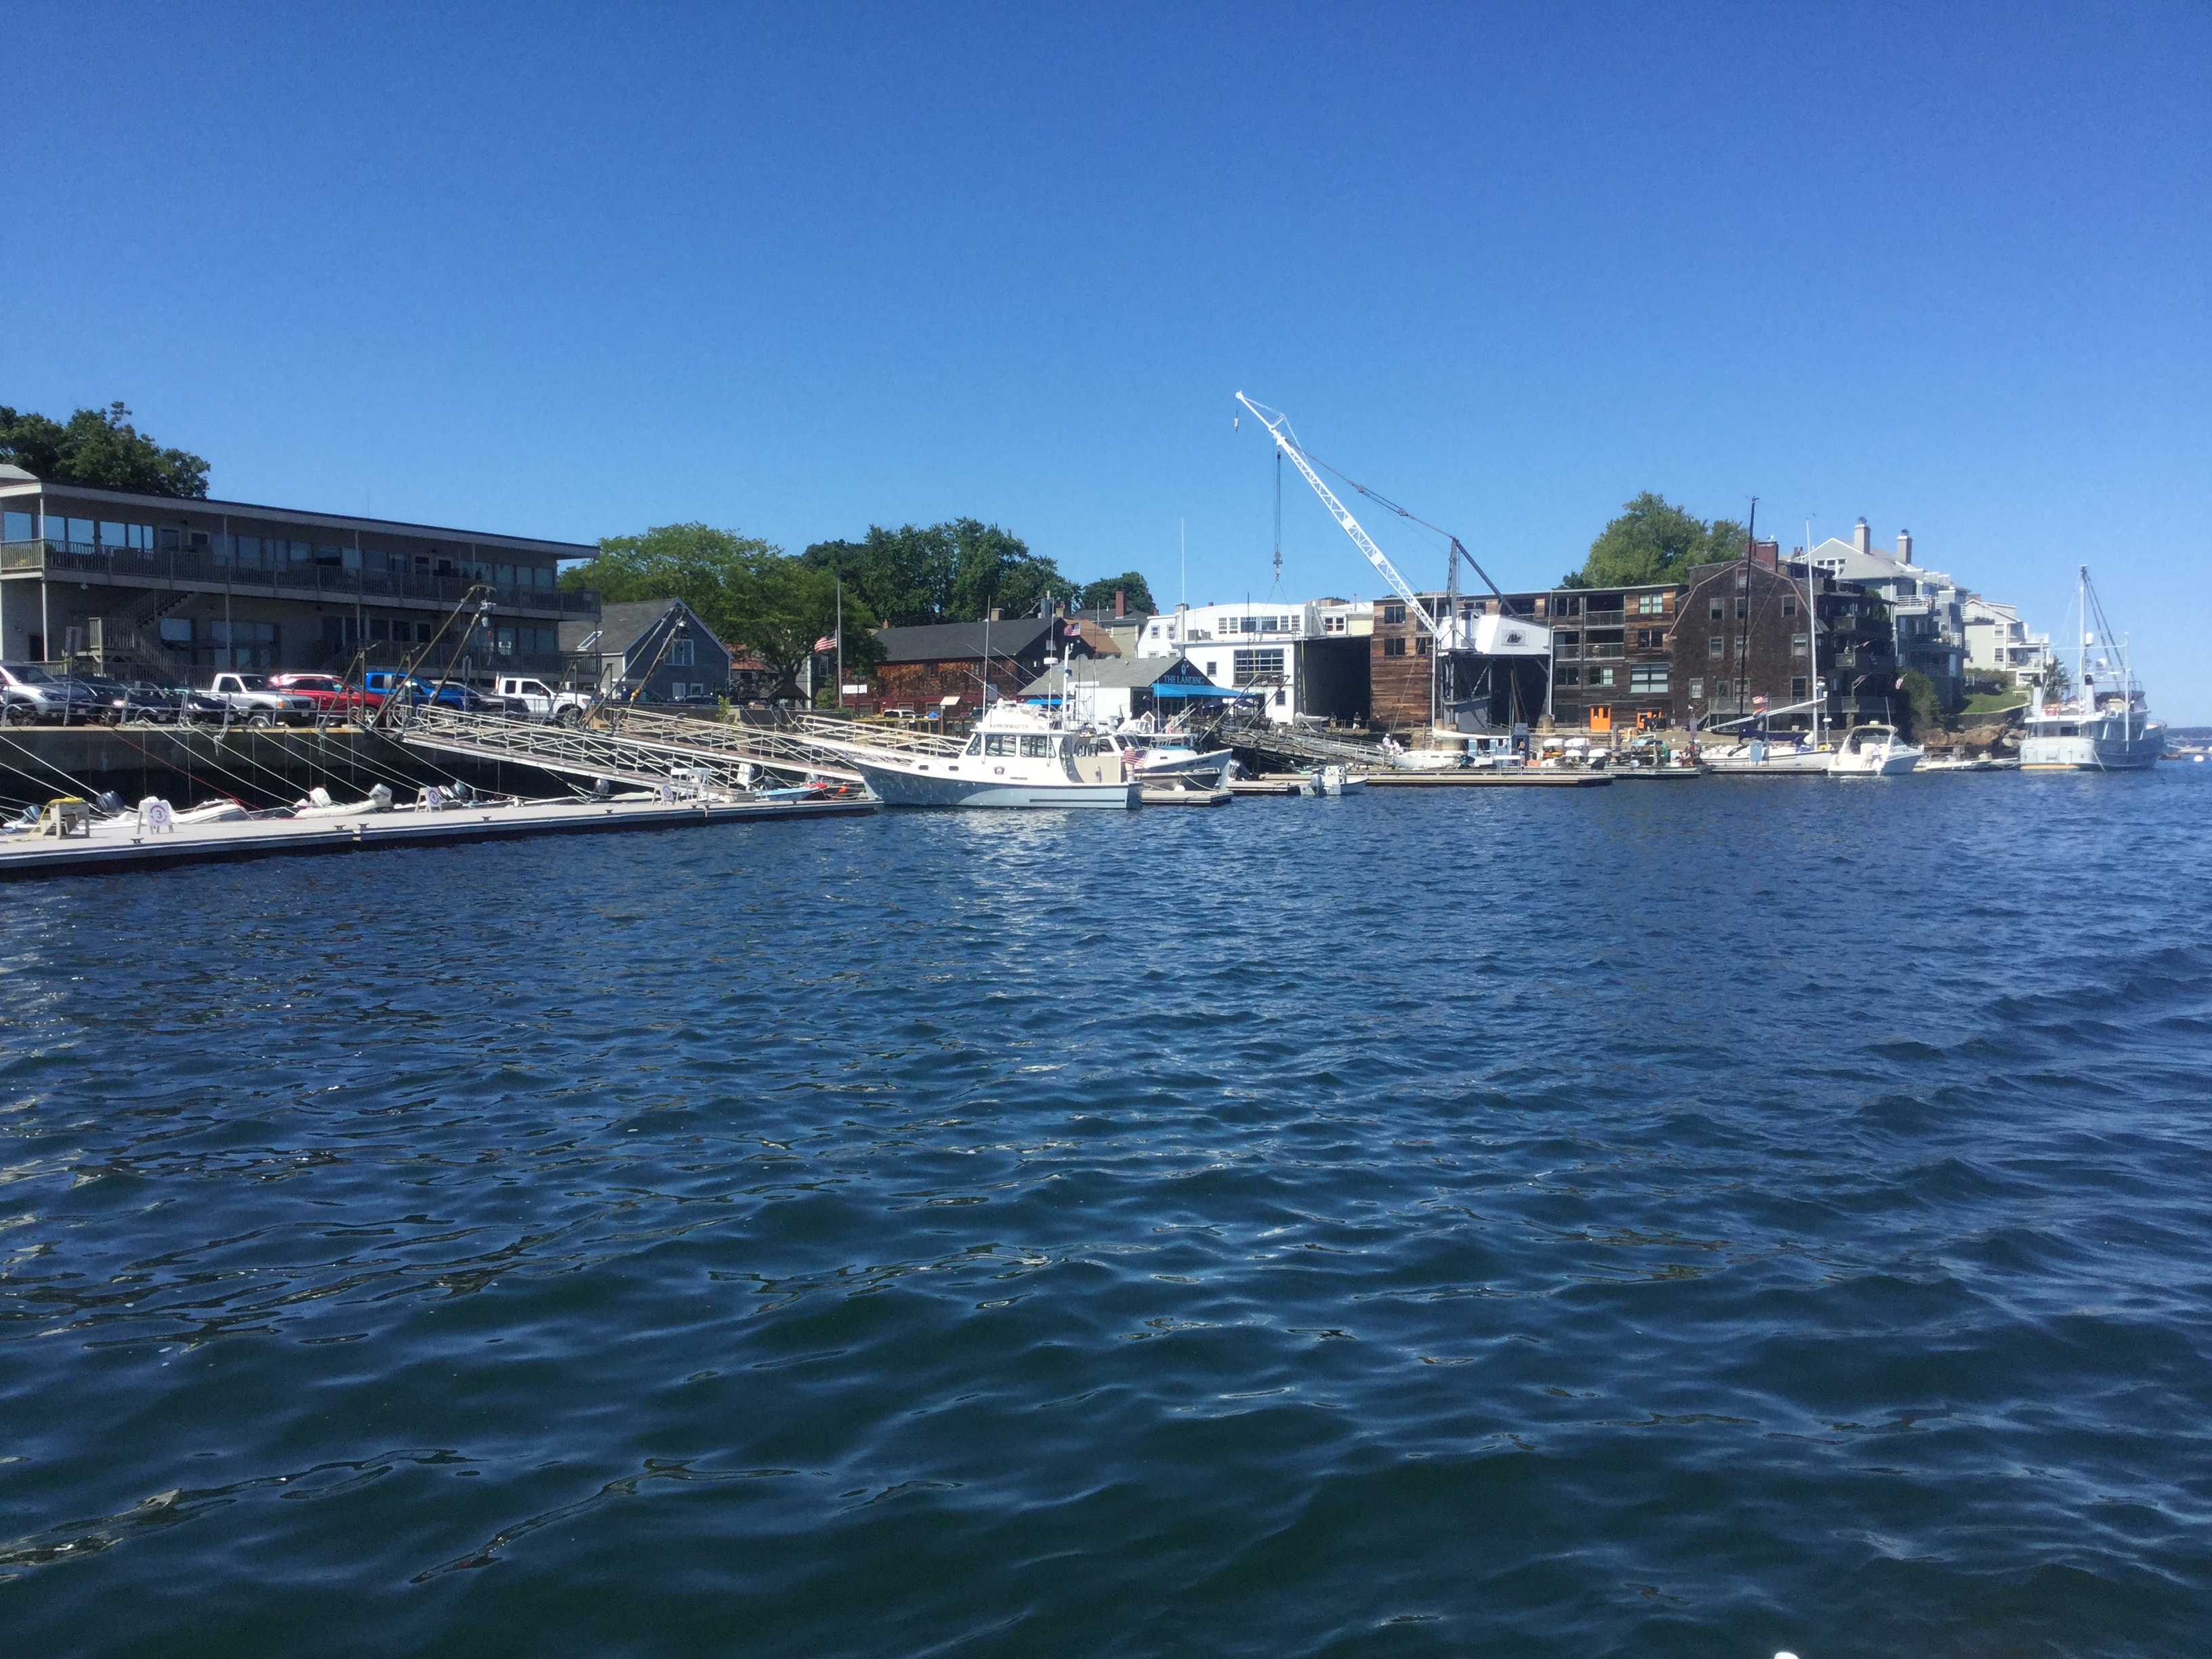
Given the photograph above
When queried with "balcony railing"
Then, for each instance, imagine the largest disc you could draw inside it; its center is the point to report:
(305, 580)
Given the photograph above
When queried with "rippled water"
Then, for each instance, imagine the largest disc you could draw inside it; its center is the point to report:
(1671, 1219)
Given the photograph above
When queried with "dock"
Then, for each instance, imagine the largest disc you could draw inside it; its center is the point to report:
(120, 843)
(1169, 795)
(1517, 778)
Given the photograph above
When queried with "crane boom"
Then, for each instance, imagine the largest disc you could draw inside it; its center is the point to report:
(1279, 429)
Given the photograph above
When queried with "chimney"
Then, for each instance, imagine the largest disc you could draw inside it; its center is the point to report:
(1862, 538)
(1905, 547)
(1120, 603)
(997, 615)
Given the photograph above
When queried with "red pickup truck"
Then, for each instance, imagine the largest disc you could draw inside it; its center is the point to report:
(330, 694)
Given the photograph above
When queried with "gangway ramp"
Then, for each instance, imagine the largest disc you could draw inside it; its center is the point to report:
(634, 755)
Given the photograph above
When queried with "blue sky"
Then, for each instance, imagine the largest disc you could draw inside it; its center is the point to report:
(798, 270)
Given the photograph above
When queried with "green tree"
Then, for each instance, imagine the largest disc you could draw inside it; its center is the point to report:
(952, 572)
(1652, 540)
(749, 592)
(1136, 594)
(99, 447)
(1919, 710)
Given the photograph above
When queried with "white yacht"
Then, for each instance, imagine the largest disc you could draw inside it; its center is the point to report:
(1872, 751)
(1015, 758)
(2105, 726)
(1167, 757)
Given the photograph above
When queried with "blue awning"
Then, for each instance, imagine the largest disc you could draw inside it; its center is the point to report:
(1176, 689)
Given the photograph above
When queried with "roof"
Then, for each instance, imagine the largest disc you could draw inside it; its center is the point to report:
(16, 482)
(944, 641)
(1113, 673)
(621, 626)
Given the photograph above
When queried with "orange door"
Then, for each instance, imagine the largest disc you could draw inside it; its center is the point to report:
(1601, 719)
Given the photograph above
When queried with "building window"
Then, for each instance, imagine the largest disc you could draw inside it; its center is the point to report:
(1651, 604)
(1713, 645)
(1649, 679)
(1696, 690)
(1798, 689)
(1650, 639)
(680, 653)
(1567, 642)
(1328, 625)
(1394, 647)
(1393, 614)
(1568, 677)
(1259, 667)
(1601, 677)
(1742, 647)
(1209, 673)
(1797, 646)
(1743, 605)
(1789, 604)
(1714, 611)
(1421, 645)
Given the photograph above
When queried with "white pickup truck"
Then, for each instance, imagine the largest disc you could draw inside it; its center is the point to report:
(250, 698)
(539, 701)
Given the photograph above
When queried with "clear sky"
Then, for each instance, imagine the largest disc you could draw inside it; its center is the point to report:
(801, 268)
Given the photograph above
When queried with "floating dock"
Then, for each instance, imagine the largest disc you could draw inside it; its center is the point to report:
(1477, 780)
(120, 843)
(1158, 795)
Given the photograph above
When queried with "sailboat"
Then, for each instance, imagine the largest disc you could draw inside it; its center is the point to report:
(2105, 726)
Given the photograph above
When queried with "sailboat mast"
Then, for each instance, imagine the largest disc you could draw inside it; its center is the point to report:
(1812, 637)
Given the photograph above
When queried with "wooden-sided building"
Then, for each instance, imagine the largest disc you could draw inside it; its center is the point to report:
(945, 665)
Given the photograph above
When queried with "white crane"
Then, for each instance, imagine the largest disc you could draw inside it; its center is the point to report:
(1498, 636)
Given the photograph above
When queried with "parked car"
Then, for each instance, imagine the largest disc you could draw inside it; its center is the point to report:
(534, 700)
(388, 683)
(28, 693)
(162, 705)
(249, 698)
(330, 694)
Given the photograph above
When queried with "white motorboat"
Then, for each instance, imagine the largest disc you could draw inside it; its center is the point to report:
(1016, 756)
(1168, 757)
(2105, 726)
(1872, 751)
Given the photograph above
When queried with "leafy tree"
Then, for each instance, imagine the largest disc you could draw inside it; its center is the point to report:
(953, 571)
(1654, 541)
(1136, 594)
(749, 593)
(1919, 710)
(99, 447)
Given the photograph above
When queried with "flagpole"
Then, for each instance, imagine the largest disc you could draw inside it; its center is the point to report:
(841, 642)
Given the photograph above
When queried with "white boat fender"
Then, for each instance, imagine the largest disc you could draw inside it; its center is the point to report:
(380, 799)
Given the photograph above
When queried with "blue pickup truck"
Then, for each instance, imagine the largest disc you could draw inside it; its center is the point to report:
(389, 683)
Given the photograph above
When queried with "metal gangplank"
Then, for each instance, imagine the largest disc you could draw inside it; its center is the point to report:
(866, 734)
(646, 754)
(788, 749)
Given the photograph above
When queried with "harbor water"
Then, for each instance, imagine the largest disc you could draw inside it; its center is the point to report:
(1697, 1219)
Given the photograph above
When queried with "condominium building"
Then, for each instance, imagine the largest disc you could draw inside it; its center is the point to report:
(176, 588)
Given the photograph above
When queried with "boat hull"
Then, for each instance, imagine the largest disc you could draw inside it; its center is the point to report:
(1197, 769)
(2091, 754)
(896, 786)
(1806, 763)
(1874, 765)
